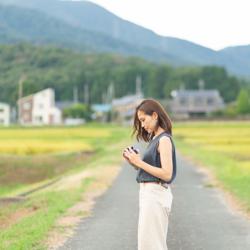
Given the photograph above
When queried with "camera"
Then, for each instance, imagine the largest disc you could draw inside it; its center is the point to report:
(134, 149)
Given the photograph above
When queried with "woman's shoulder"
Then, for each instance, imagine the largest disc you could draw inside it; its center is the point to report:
(164, 142)
(165, 139)
(165, 136)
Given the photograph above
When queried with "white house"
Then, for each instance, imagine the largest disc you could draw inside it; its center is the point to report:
(4, 114)
(39, 109)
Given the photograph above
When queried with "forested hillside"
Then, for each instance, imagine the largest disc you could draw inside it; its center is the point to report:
(26, 25)
(83, 25)
(63, 69)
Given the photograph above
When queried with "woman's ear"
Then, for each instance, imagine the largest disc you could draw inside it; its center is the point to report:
(155, 115)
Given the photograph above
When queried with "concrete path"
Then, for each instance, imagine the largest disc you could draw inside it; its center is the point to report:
(113, 225)
(200, 218)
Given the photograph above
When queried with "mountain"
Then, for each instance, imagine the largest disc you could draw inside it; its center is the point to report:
(28, 25)
(19, 24)
(133, 39)
(241, 53)
(90, 16)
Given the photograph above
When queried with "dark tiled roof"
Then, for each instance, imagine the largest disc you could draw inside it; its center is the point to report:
(200, 93)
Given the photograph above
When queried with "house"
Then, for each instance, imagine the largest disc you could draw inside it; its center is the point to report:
(4, 114)
(101, 112)
(188, 103)
(123, 108)
(39, 109)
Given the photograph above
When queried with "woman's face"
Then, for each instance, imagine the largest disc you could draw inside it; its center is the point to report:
(148, 122)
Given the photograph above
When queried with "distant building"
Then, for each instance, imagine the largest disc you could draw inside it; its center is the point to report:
(4, 114)
(124, 108)
(39, 109)
(101, 112)
(188, 103)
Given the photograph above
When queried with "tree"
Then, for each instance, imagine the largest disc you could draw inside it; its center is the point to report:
(78, 111)
(243, 102)
(61, 69)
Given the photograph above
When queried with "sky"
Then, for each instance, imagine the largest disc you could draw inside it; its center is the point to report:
(212, 23)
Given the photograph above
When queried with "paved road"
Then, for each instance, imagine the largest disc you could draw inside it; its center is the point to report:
(200, 219)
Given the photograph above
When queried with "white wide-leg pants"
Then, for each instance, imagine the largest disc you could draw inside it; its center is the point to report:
(155, 203)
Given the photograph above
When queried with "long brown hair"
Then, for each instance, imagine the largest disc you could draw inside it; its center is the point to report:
(148, 106)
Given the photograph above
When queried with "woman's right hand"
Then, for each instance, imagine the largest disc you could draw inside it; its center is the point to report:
(127, 159)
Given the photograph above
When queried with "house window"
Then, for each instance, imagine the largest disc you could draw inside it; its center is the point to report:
(26, 106)
(38, 118)
(210, 101)
(197, 100)
(183, 101)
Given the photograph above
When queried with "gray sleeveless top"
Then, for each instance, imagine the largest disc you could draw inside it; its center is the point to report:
(152, 157)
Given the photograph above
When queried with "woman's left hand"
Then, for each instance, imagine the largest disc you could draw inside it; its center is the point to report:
(132, 157)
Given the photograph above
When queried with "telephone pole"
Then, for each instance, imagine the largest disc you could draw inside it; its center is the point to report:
(75, 95)
(20, 95)
(86, 94)
(201, 84)
(110, 92)
(20, 86)
(138, 83)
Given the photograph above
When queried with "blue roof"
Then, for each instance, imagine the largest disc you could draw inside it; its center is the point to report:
(101, 107)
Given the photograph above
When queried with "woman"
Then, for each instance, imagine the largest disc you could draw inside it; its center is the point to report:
(156, 170)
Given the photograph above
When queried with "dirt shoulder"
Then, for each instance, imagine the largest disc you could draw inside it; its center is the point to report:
(64, 227)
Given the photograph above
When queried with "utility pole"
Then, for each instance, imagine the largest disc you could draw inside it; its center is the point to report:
(20, 86)
(201, 84)
(182, 86)
(110, 97)
(138, 83)
(86, 94)
(110, 92)
(20, 95)
(104, 98)
(75, 95)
